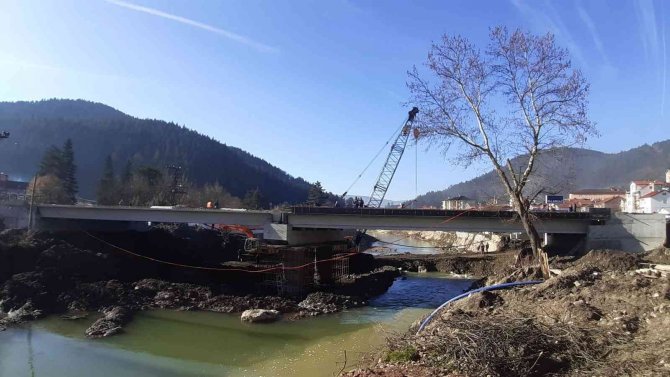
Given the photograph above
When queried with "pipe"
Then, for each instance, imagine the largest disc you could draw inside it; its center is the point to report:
(425, 322)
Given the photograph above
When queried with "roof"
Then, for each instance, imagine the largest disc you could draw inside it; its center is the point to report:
(460, 197)
(607, 191)
(648, 182)
(652, 194)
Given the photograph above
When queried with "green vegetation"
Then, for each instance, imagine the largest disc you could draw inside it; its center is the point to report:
(403, 355)
(56, 181)
(316, 196)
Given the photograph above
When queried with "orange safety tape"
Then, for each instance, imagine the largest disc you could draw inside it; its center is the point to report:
(217, 268)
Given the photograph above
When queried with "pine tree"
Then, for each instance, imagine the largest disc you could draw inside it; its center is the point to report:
(127, 173)
(52, 162)
(316, 196)
(253, 199)
(126, 184)
(107, 187)
(68, 173)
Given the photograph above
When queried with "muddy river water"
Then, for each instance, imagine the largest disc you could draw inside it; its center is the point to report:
(172, 343)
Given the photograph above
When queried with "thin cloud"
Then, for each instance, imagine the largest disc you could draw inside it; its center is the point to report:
(187, 21)
(588, 21)
(654, 45)
(646, 14)
(548, 18)
(665, 71)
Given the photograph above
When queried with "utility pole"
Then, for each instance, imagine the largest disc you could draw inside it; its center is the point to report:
(176, 184)
(32, 203)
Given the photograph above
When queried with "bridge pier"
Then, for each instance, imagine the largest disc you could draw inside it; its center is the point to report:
(564, 243)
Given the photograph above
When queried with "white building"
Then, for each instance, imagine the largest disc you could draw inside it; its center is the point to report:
(648, 196)
(458, 202)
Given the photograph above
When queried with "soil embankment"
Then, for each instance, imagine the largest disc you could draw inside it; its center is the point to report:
(598, 317)
(75, 273)
(476, 265)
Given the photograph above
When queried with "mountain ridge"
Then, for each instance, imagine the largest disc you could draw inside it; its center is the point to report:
(98, 130)
(592, 169)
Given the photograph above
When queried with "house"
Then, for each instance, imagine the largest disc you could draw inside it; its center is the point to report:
(12, 190)
(579, 205)
(598, 195)
(648, 196)
(458, 202)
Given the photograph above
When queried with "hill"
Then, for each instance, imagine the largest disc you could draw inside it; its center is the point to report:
(98, 130)
(582, 168)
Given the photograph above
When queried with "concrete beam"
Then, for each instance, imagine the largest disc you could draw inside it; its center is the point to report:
(459, 224)
(251, 219)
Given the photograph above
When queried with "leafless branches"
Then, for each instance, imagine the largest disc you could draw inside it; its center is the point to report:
(518, 97)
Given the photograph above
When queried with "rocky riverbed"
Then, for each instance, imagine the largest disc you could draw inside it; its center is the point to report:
(72, 275)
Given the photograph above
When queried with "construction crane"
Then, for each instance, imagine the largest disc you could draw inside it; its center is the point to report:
(392, 161)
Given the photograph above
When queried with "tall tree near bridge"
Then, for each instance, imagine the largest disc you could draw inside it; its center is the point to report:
(519, 96)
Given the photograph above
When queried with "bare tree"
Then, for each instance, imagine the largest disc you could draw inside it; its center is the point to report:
(520, 96)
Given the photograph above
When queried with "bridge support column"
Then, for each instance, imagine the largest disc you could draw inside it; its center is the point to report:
(300, 236)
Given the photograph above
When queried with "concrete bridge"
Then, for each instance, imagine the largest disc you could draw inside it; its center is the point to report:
(305, 225)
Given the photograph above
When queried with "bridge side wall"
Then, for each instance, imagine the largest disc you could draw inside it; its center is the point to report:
(459, 224)
(633, 232)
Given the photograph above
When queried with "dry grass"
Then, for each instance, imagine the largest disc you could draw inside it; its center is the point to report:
(502, 345)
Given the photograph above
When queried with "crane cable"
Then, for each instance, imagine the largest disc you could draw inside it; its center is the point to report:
(416, 168)
(374, 158)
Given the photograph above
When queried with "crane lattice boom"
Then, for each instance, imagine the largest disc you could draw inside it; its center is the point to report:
(392, 161)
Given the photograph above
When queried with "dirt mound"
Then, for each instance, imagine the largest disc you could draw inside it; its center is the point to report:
(597, 318)
(478, 265)
(608, 260)
(660, 255)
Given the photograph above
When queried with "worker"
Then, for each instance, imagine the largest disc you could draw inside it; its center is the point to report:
(486, 247)
(412, 114)
(216, 204)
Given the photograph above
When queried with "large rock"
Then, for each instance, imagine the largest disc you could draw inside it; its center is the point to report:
(260, 315)
(324, 302)
(111, 323)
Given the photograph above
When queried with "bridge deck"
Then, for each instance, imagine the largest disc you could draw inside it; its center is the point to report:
(433, 219)
(303, 210)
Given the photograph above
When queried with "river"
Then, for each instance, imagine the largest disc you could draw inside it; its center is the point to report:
(172, 343)
(393, 243)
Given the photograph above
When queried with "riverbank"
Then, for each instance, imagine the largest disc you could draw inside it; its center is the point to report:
(482, 266)
(448, 242)
(73, 274)
(597, 318)
(208, 344)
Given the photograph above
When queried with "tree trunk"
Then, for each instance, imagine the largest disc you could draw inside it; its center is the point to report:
(535, 240)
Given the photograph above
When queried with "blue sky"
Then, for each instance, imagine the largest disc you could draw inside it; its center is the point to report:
(316, 87)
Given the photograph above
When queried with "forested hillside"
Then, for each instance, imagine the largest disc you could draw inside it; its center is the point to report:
(98, 131)
(579, 168)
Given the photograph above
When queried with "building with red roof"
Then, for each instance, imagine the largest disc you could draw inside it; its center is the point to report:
(648, 196)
